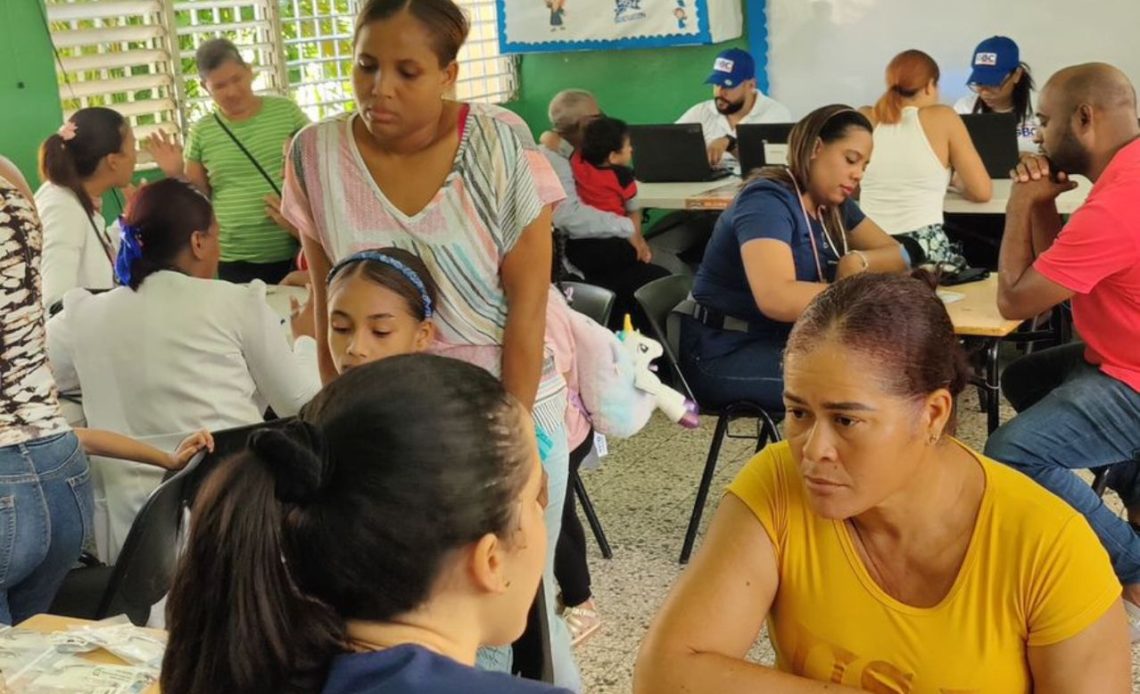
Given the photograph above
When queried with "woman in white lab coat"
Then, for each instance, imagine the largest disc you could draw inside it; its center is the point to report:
(173, 350)
(93, 153)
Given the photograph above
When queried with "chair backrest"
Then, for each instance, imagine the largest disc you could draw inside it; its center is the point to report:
(227, 442)
(657, 300)
(145, 568)
(590, 300)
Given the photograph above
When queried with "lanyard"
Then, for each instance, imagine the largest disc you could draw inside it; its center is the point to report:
(811, 234)
(108, 249)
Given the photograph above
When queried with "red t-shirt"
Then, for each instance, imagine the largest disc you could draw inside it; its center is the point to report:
(608, 189)
(1097, 257)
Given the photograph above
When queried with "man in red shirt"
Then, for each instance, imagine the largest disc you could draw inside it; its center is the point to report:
(1079, 404)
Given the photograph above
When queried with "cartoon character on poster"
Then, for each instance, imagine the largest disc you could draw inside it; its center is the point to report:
(557, 11)
(679, 13)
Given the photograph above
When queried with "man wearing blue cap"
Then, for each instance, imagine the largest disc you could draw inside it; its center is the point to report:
(735, 100)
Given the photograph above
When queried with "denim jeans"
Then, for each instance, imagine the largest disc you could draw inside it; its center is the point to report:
(46, 511)
(720, 372)
(1072, 416)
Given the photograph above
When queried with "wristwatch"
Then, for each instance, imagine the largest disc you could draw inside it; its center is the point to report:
(731, 143)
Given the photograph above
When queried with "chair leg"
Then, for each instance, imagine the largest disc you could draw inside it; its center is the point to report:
(591, 515)
(703, 489)
(769, 430)
(1100, 479)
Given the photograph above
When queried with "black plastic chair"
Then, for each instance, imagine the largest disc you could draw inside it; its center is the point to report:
(144, 571)
(227, 442)
(1099, 483)
(596, 303)
(658, 299)
(590, 300)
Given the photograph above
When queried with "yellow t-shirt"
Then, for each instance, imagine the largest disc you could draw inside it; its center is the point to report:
(1034, 575)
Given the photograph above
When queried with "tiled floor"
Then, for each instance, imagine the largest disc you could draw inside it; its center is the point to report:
(644, 493)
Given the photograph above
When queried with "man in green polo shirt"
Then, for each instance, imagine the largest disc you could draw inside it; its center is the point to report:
(236, 156)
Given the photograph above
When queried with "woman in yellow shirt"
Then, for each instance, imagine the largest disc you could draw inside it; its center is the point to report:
(885, 555)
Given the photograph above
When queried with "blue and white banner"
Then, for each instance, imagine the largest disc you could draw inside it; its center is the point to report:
(536, 26)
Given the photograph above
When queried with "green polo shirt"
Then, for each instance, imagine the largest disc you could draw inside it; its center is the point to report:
(237, 188)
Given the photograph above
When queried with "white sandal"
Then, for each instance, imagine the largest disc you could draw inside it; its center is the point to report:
(582, 621)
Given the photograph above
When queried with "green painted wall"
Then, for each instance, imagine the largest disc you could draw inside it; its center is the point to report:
(647, 86)
(29, 97)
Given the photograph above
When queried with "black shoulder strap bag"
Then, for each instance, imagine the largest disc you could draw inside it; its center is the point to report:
(248, 155)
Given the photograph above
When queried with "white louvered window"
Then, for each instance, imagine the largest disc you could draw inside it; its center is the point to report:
(137, 56)
(317, 39)
(116, 53)
(484, 74)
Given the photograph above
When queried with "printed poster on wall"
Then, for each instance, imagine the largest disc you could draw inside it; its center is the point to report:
(536, 26)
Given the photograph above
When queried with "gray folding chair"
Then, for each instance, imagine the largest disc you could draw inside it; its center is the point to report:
(596, 303)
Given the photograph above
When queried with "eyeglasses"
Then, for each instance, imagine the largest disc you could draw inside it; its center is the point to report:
(979, 88)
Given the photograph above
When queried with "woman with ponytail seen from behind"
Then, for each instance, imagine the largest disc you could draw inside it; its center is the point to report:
(370, 546)
(92, 153)
(173, 350)
(918, 144)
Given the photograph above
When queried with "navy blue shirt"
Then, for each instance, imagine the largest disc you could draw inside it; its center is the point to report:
(763, 209)
(411, 669)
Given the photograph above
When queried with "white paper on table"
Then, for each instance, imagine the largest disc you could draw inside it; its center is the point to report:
(950, 297)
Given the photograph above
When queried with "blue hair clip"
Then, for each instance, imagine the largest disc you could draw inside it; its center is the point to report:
(388, 260)
(129, 251)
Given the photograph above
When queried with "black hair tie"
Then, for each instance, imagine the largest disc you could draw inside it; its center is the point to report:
(297, 457)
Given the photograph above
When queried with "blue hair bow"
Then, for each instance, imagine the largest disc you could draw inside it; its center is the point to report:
(129, 251)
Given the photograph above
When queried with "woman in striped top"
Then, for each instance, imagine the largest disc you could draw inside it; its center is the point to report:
(235, 155)
(458, 188)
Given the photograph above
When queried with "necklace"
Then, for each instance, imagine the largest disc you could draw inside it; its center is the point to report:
(876, 571)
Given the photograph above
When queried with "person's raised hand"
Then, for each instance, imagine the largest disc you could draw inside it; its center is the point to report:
(167, 153)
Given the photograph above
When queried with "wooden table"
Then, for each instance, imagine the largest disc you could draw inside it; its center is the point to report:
(975, 316)
(716, 195)
(48, 623)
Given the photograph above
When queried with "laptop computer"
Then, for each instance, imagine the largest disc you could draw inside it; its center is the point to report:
(995, 138)
(671, 154)
(755, 142)
(774, 133)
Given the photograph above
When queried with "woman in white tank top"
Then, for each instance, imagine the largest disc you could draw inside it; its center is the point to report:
(918, 141)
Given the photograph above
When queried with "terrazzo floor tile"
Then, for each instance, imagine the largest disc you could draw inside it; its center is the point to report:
(644, 493)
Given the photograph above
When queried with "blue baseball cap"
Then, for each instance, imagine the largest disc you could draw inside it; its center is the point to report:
(732, 68)
(993, 60)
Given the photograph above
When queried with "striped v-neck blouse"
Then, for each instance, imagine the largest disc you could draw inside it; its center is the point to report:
(496, 187)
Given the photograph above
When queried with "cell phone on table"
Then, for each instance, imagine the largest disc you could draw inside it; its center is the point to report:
(970, 274)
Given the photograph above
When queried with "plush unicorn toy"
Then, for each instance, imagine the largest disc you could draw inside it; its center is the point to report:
(643, 351)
